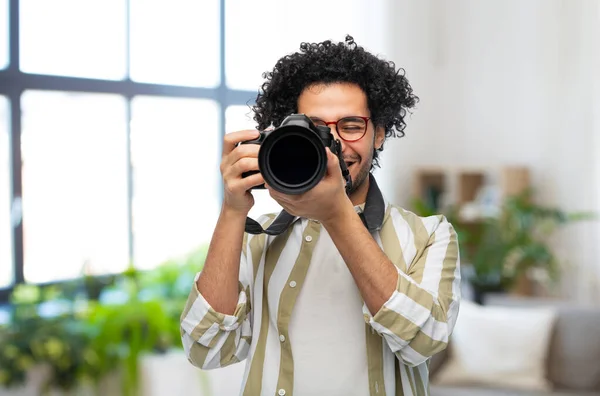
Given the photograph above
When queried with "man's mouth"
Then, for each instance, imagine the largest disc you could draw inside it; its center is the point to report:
(349, 163)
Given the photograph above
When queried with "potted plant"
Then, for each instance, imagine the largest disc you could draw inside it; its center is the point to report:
(516, 242)
(82, 331)
(499, 252)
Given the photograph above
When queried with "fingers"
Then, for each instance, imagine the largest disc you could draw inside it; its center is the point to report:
(245, 164)
(242, 158)
(242, 185)
(232, 139)
(251, 181)
(242, 151)
(333, 163)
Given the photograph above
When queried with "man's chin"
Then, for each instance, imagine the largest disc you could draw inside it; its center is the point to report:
(357, 180)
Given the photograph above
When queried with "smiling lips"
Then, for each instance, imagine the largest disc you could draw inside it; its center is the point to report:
(350, 161)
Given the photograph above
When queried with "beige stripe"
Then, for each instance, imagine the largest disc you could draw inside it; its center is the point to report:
(228, 349)
(417, 226)
(204, 325)
(248, 301)
(422, 242)
(421, 297)
(375, 361)
(417, 267)
(427, 346)
(411, 380)
(198, 354)
(449, 266)
(190, 301)
(410, 332)
(286, 305)
(254, 382)
(391, 245)
(420, 385)
(257, 245)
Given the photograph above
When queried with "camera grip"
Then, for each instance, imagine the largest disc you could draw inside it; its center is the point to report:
(337, 150)
(258, 141)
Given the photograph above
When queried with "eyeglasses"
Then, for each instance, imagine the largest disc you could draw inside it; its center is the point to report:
(349, 129)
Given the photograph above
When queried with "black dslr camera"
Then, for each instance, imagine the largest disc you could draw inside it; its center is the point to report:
(292, 157)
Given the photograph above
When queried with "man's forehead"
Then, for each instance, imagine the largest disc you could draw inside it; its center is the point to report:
(333, 101)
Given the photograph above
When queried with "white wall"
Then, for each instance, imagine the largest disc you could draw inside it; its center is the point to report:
(506, 82)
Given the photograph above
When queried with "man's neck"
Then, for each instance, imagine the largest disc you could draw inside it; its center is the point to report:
(359, 196)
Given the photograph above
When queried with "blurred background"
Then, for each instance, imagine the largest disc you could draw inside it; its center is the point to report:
(112, 115)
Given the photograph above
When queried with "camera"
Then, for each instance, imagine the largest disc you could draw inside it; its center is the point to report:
(292, 157)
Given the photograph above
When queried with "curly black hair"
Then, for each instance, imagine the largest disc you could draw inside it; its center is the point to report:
(389, 95)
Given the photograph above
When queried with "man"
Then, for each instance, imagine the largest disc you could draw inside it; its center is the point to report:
(356, 295)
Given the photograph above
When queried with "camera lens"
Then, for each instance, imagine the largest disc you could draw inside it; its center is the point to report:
(293, 161)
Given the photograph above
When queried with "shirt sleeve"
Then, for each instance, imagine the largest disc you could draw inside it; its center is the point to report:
(418, 319)
(212, 339)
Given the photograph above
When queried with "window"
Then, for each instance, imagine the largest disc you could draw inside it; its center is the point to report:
(74, 38)
(4, 56)
(119, 161)
(6, 259)
(175, 42)
(176, 176)
(238, 118)
(74, 184)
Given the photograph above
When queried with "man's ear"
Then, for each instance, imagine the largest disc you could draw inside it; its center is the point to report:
(379, 137)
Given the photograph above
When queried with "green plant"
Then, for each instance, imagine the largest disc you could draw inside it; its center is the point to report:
(502, 249)
(87, 328)
(55, 339)
(517, 240)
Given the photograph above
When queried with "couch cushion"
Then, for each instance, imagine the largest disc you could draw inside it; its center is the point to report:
(438, 361)
(574, 356)
(474, 391)
(574, 359)
(499, 346)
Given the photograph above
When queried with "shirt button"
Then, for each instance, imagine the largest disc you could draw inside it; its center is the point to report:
(293, 284)
(281, 392)
(282, 338)
(308, 238)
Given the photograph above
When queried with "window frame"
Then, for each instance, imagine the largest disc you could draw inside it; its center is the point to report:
(13, 82)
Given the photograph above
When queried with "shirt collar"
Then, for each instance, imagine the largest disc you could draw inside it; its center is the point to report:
(371, 212)
(374, 210)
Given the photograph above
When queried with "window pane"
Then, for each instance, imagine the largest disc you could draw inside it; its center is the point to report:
(6, 246)
(74, 184)
(174, 148)
(238, 118)
(4, 55)
(175, 42)
(74, 38)
(287, 25)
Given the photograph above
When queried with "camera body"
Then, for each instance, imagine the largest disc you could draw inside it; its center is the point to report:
(292, 157)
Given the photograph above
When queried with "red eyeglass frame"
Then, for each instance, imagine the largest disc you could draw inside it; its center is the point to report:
(327, 123)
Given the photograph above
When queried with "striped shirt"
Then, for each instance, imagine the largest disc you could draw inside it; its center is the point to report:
(414, 324)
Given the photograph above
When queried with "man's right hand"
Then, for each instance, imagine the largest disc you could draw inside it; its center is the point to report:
(237, 159)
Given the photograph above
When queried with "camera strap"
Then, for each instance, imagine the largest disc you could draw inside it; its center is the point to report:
(279, 225)
(284, 219)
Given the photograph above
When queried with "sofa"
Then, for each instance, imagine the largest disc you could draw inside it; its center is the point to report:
(568, 350)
